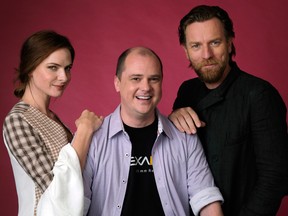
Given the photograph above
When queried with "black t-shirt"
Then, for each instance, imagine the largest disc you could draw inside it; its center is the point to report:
(142, 196)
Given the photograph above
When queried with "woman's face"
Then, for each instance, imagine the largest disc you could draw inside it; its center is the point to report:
(52, 75)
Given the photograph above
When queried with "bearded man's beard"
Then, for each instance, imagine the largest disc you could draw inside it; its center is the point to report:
(209, 75)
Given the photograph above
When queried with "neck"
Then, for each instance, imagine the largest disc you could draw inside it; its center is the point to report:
(41, 104)
(138, 122)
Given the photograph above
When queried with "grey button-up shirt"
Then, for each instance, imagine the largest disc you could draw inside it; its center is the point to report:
(181, 172)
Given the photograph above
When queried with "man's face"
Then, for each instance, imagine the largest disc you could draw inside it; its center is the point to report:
(140, 88)
(208, 51)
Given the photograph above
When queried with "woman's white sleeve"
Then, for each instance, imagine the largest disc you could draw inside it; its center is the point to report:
(65, 194)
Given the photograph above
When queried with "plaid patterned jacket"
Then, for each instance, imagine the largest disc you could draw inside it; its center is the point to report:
(35, 141)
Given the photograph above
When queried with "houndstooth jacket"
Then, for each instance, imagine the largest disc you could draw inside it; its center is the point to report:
(37, 146)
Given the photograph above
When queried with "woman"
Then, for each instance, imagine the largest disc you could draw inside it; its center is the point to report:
(47, 161)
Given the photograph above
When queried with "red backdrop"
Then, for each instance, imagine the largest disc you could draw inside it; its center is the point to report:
(100, 30)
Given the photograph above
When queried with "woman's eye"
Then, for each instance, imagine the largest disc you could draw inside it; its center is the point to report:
(53, 68)
(68, 69)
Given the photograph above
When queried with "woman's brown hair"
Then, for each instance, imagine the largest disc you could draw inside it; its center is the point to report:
(34, 50)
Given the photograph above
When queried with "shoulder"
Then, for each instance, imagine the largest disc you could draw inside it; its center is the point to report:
(244, 76)
(16, 113)
(176, 143)
(19, 108)
(172, 132)
(247, 81)
(191, 82)
(253, 85)
(256, 91)
(111, 125)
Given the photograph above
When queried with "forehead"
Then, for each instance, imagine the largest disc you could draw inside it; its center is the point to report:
(61, 54)
(139, 63)
(206, 29)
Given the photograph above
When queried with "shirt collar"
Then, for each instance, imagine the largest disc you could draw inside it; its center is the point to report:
(116, 124)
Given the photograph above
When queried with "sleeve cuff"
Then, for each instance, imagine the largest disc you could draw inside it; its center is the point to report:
(205, 197)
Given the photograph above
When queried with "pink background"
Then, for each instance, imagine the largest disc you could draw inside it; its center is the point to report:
(101, 29)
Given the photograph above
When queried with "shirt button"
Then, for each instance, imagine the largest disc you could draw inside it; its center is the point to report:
(118, 206)
(127, 155)
(124, 181)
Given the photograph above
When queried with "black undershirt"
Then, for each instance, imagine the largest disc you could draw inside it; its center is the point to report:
(142, 196)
